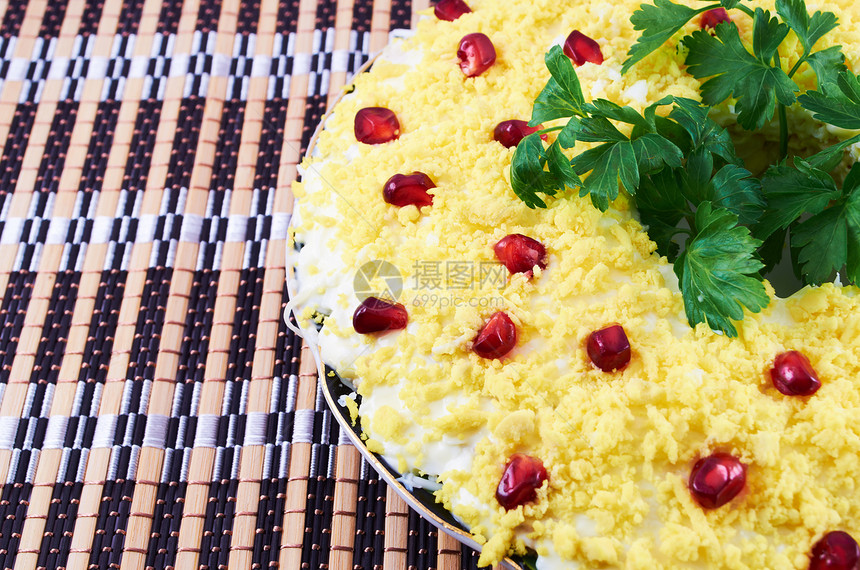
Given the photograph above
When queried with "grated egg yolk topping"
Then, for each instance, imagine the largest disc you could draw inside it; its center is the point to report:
(618, 446)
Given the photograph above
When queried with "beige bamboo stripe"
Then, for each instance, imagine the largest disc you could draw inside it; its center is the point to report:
(347, 472)
(379, 25)
(418, 6)
(99, 459)
(343, 33)
(447, 552)
(396, 530)
(293, 528)
(290, 154)
(4, 5)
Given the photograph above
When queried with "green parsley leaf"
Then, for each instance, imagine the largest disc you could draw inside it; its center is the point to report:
(792, 192)
(620, 159)
(852, 216)
(650, 112)
(808, 30)
(609, 110)
(658, 23)
(562, 96)
(756, 84)
(609, 163)
(771, 251)
(729, 4)
(852, 180)
(559, 166)
(768, 33)
(715, 271)
(652, 151)
(828, 158)
(840, 109)
(822, 244)
(661, 206)
(528, 176)
(599, 129)
(827, 65)
(567, 135)
(705, 133)
(696, 177)
(830, 240)
(738, 191)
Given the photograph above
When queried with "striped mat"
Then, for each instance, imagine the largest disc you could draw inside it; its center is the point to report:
(155, 412)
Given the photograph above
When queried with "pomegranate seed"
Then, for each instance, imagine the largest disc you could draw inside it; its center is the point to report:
(717, 479)
(375, 315)
(520, 253)
(510, 133)
(609, 348)
(522, 478)
(376, 125)
(837, 550)
(580, 48)
(405, 189)
(711, 18)
(476, 54)
(496, 338)
(793, 375)
(450, 10)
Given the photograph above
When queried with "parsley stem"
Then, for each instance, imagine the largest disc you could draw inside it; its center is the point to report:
(746, 10)
(783, 132)
(549, 130)
(783, 116)
(797, 66)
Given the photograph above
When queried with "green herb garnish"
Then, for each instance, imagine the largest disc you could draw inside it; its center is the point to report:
(681, 168)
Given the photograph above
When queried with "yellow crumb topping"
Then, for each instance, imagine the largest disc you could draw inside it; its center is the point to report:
(618, 446)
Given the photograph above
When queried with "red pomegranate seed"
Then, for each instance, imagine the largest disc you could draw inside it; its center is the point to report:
(522, 478)
(376, 125)
(793, 375)
(580, 48)
(450, 10)
(496, 338)
(476, 54)
(375, 315)
(405, 189)
(837, 550)
(510, 133)
(717, 479)
(711, 18)
(609, 348)
(520, 253)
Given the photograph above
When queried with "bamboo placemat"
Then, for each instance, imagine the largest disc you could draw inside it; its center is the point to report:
(155, 411)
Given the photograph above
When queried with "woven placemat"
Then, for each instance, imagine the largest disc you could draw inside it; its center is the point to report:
(155, 411)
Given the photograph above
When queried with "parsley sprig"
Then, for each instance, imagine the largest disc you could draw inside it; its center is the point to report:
(722, 226)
